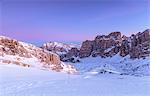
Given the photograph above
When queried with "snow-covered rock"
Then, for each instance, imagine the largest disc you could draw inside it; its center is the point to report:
(67, 52)
(58, 47)
(28, 55)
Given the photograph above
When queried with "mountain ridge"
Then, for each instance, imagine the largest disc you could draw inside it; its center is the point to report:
(28, 55)
(137, 46)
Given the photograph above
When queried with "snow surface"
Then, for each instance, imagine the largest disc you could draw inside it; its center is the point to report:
(20, 81)
(34, 62)
(115, 64)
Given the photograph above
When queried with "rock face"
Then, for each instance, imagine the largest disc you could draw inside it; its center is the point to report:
(73, 52)
(14, 48)
(137, 45)
(125, 48)
(98, 46)
(140, 44)
(86, 49)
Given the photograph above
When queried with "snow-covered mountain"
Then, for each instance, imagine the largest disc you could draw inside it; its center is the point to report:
(136, 46)
(114, 75)
(28, 55)
(58, 47)
(112, 53)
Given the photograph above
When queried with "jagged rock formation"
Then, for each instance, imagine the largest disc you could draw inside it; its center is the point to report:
(13, 48)
(137, 46)
(86, 49)
(101, 43)
(140, 44)
(98, 46)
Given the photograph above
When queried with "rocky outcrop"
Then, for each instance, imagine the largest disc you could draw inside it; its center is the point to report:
(140, 44)
(73, 52)
(100, 44)
(86, 49)
(13, 48)
(124, 48)
(71, 56)
(137, 45)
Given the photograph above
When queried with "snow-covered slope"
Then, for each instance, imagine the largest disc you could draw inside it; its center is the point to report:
(114, 65)
(16, 81)
(28, 55)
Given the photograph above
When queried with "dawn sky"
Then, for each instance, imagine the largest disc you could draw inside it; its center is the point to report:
(71, 20)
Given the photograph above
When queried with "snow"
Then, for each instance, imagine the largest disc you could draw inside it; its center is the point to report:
(115, 64)
(97, 77)
(68, 68)
(109, 49)
(60, 45)
(34, 62)
(18, 81)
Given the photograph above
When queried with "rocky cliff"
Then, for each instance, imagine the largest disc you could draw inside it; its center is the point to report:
(137, 46)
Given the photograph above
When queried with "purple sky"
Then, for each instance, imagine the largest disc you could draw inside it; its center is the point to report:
(71, 20)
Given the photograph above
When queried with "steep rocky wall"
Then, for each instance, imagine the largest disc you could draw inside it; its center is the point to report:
(86, 49)
(137, 45)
